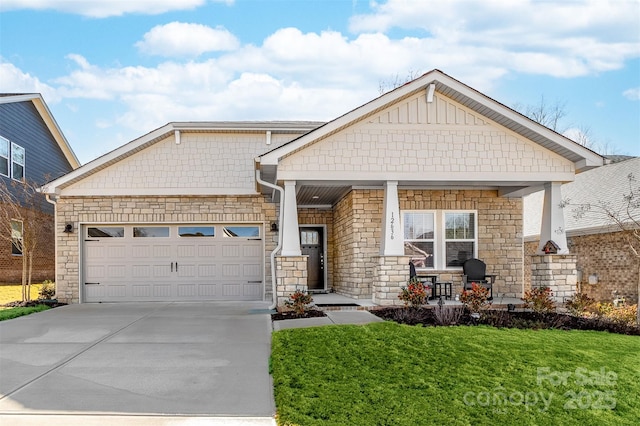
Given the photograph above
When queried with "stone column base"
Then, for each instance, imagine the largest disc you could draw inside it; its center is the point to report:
(390, 273)
(291, 275)
(556, 271)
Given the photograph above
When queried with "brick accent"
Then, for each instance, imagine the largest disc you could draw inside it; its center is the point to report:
(390, 274)
(556, 271)
(128, 210)
(43, 257)
(607, 256)
(291, 275)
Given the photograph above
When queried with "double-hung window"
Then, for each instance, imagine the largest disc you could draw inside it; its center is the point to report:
(17, 162)
(4, 156)
(439, 239)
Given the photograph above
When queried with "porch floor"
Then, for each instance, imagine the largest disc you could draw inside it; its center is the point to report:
(338, 302)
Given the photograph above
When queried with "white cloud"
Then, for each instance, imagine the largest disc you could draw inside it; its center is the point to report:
(179, 39)
(632, 94)
(106, 8)
(561, 39)
(14, 80)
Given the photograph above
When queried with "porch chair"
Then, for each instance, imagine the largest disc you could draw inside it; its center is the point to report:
(475, 271)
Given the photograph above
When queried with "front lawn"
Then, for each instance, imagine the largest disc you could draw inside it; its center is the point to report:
(392, 374)
(10, 313)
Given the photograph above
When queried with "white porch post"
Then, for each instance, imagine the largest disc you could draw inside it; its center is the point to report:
(553, 219)
(392, 243)
(289, 229)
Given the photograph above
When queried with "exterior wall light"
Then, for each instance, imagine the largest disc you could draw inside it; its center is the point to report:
(68, 228)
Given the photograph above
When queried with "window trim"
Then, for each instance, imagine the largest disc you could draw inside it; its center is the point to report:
(8, 157)
(439, 238)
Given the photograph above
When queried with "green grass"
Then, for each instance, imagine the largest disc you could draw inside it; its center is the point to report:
(391, 374)
(10, 313)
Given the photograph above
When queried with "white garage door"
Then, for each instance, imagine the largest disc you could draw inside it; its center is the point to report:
(172, 262)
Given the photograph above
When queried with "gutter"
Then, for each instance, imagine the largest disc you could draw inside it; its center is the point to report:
(279, 246)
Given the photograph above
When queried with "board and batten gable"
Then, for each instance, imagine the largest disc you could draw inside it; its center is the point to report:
(203, 163)
(22, 124)
(438, 141)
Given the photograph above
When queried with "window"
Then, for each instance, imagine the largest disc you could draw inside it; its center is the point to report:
(241, 231)
(150, 231)
(196, 231)
(17, 162)
(460, 237)
(106, 232)
(419, 238)
(439, 239)
(16, 237)
(4, 156)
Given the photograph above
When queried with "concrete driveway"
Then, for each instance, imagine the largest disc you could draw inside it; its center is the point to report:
(157, 363)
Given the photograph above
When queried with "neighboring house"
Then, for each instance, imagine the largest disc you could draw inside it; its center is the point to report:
(432, 172)
(607, 268)
(32, 148)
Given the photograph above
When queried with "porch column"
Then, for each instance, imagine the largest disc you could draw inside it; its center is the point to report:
(289, 229)
(392, 243)
(553, 219)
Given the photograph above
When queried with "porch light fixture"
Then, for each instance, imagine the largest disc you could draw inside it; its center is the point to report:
(274, 226)
(68, 228)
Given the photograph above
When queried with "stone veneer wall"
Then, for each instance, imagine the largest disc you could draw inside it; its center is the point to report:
(607, 256)
(500, 243)
(357, 221)
(556, 271)
(291, 275)
(390, 274)
(322, 217)
(43, 257)
(128, 210)
(358, 217)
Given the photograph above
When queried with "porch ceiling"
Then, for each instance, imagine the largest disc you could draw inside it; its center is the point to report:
(328, 193)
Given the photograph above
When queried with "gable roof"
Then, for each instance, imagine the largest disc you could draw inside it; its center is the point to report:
(47, 117)
(604, 185)
(583, 158)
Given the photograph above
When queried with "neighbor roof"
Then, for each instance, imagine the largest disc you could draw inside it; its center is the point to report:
(45, 113)
(605, 185)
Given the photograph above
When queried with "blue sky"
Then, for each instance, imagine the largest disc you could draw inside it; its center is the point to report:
(111, 71)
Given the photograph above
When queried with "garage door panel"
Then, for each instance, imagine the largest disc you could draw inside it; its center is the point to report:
(177, 267)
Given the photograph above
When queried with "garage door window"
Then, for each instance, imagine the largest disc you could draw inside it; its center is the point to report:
(151, 231)
(106, 232)
(241, 231)
(196, 231)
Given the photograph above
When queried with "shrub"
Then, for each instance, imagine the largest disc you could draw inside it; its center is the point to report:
(621, 315)
(299, 301)
(578, 304)
(48, 290)
(539, 300)
(414, 294)
(447, 315)
(475, 299)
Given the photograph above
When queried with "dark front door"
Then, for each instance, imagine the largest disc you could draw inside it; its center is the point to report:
(311, 243)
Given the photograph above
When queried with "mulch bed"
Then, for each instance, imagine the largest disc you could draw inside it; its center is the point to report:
(504, 319)
(49, 302)
(313, 313)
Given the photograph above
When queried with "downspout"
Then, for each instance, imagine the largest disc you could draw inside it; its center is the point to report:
(55, 239)
(279, 246)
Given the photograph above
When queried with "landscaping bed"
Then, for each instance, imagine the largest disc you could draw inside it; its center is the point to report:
(502, 319)
(285, 315)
